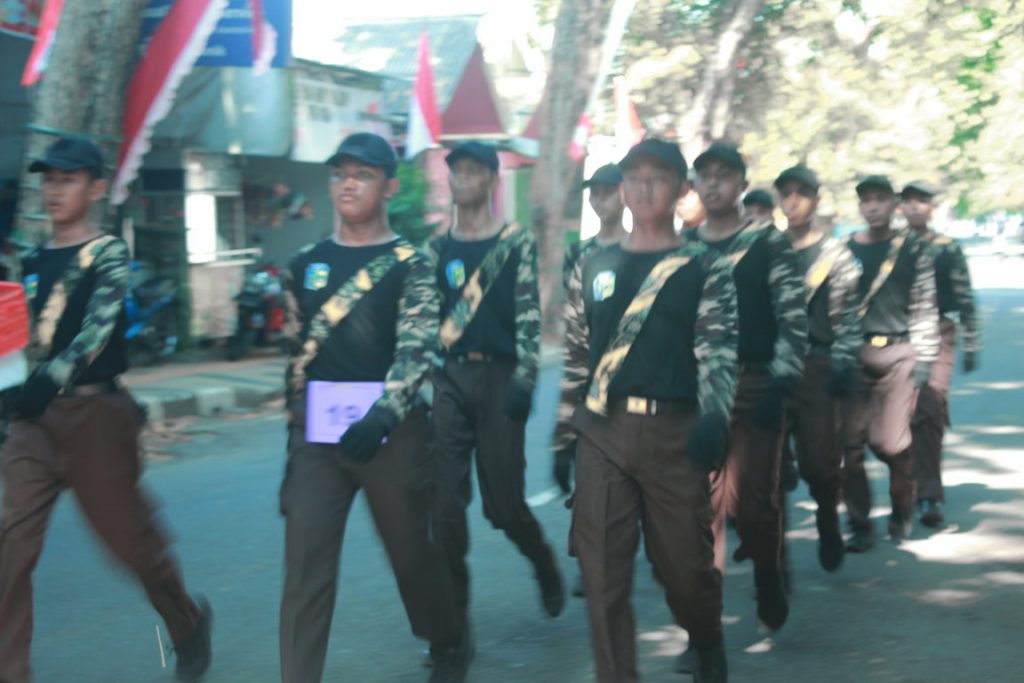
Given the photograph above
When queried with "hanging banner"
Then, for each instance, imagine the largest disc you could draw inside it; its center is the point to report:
(233, 41)
(20, 17)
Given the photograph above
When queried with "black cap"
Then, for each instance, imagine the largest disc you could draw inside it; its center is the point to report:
(479, 152)
(608, 175)
(725, 152)
(800, 174)
(760, 198)
(920, 186)
(877, 182)
(667, 153)
(368, 148)
(70, 154)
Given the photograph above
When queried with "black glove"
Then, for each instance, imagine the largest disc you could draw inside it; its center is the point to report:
(35, 395)
(363, 439)
(970, 361)
(518, 399)
(843, 382)
(564, 461)
(709, 441)
(770, 406)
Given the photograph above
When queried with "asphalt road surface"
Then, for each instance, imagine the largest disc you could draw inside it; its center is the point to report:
(942, 607)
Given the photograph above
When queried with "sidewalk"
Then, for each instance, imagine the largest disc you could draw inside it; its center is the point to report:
(198, 383)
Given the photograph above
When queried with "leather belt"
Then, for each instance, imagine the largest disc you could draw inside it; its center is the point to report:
(639, 405)
(880, 341)
(110, 386)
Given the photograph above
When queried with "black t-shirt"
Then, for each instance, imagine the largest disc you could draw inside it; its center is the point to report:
(758, 328)
(493, 328)
(361, 347)
(819, 325)
(889, 310)
(41, 270)
(661, 363)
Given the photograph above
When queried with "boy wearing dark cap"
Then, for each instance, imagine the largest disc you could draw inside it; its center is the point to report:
(487, 368)
(900, 321)
(605, 187)
(650, 372)
(363, 318)
(74, 424)
(955, 300)
(772, 347)
(831, 278)
(759, 205)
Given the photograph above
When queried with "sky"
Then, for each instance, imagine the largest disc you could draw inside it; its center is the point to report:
(316, 22)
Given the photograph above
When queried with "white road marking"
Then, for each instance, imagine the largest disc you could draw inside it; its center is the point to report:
(544, 497)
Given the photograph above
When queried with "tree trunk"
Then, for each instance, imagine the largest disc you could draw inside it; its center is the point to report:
(711, 111)
(574, 64)
(82, 91)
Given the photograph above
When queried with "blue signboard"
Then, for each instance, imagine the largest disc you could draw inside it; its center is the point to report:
(230, 44)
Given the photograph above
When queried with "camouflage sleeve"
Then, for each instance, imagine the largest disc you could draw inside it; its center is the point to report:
(960, 275)
(790, 302)
(416, 333)
(292, 330)
(527, 304)
(112, 268)
(575, 355)
(715, 340)
(923, 314)
(844, 283)
(568, 263)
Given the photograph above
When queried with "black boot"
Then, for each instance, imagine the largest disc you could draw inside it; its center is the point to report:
(194, 654)
(772, 603)
(450, 664)
(549, 579)
(931, 513)
(831, 549)
(711, 665)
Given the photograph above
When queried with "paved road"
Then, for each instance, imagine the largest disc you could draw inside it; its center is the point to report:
(940, 608)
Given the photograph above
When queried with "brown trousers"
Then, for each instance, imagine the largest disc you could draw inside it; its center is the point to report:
(469, 416)
(813, 422)
(747, 486)
(90, 445)
(633, 473)
(316, 496)
(932, 417)
(879, 416)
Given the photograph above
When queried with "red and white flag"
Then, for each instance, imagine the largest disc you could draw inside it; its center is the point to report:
(45, 34)
(177, 44)
(424, 120)
(580, 135)
(628, 128)
(264, 39)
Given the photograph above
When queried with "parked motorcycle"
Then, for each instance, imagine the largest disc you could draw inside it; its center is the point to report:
(152, 330)
(261, 314)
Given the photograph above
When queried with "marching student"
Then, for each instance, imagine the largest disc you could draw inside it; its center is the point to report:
(900, 320)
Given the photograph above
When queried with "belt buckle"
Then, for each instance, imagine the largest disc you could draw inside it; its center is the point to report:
(879, 341)
(636, 405)
(476, 357)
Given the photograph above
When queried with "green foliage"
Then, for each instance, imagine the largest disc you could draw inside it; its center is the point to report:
(407, 210)
(911, 88)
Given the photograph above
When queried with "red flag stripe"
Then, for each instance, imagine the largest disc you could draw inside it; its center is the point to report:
(48, 22)
(173, 50)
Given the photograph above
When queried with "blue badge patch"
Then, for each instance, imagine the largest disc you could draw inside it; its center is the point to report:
(455, 271)
(604, 285)
(317, 275)
(31, 286)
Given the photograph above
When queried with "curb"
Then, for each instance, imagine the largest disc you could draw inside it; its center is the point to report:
(170, 400)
